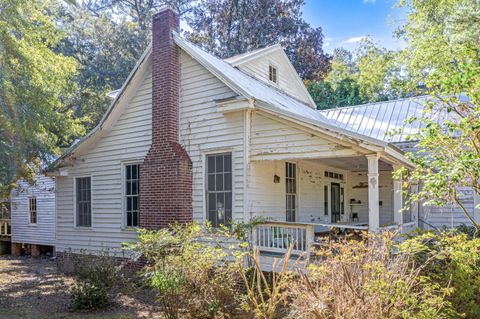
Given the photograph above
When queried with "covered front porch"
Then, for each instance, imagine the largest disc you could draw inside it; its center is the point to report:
(304, 199)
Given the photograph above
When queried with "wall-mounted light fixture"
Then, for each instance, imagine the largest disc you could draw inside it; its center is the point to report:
(276, 179)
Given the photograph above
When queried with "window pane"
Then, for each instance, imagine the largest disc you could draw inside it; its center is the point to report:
(211, 182)
(219, 182)
(228, 163)
(219, 164)
(228, 181)
(211, 164)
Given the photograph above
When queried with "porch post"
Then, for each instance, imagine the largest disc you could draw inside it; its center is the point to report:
(397, 199)
(373, 194)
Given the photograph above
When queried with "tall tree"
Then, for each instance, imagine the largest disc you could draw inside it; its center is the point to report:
(35, 86)
(369, 74)
(230, 27)
(443, 53)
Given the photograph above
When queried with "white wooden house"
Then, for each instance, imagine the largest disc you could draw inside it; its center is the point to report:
(191, 136)
(33, 218)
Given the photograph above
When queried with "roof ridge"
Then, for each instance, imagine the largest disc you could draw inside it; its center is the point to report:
(372, 103)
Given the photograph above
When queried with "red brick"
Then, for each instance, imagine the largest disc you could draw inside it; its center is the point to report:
(166, 173)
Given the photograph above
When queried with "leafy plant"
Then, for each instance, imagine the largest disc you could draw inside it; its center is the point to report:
(190, 263)
(94, 281)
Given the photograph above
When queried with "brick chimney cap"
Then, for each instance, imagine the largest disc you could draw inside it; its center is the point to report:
(166, 8)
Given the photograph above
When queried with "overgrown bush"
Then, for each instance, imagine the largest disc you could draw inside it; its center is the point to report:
(453, 259)
(192, 271)
(94, 280)
(366, 279)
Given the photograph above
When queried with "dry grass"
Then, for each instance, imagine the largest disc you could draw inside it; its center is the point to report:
(32, 288)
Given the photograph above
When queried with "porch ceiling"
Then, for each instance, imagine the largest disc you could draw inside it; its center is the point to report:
(355, 164)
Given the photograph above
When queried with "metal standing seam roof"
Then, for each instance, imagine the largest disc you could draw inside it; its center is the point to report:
(386, 121)
(272, 98)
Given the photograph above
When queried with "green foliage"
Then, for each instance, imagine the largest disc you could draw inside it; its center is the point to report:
(191, 270)
(451, 259)
(368, 279)
(35, 84)
(372, 74)
(95, 278)
(230, 27)
(442, 53)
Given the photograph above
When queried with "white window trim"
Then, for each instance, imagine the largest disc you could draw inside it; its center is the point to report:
(75, 203)
(273, 65)
(123, 181)
(29, 211)
(204, 183)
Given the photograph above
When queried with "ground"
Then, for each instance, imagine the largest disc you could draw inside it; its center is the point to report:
(33, 288)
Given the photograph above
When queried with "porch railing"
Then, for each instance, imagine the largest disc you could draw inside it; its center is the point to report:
(5, 227)
(277, 237)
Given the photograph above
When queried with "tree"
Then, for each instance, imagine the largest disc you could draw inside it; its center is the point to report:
(35, 83)
(105, 49)
(230, 27)
(443, 53)
(370, 74)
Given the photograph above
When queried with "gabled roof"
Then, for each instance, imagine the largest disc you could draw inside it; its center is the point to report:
(244, 58)
(248, 56)
(387, 121)
(266, 97)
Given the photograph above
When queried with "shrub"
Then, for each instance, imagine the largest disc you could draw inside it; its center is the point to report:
(369, 278)
(94, 280)
(191, 270)
(454, 260)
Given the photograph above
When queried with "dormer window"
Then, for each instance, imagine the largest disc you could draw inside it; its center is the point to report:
(273, 74)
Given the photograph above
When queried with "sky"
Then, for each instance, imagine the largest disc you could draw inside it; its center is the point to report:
(345, 22)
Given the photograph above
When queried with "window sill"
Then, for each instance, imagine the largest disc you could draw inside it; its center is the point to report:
(83, 228)
(130, 228)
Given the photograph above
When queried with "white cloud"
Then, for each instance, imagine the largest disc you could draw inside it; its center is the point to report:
(327, 42)
(354, 39)
(369, 1)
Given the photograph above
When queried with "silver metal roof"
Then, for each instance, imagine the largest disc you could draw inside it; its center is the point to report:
(387, 121)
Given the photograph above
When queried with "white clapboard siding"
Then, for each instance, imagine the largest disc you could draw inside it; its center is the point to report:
(267, 198)
(128, 140)
(448, 216)
(43, 232)
(203, 130)
(270, 137)
(287, 79)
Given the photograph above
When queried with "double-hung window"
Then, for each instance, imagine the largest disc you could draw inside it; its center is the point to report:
(219, 189)
(83, 201)
(132, 191)
(291, 190)
(32, 210)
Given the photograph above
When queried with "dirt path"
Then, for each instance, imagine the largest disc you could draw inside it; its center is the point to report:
(32, 288)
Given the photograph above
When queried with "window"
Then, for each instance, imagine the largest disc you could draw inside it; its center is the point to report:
(219, 189)
(272, 74)
(83, 201)
(325, 199)
(291, 190)
(132, 191)
(32, 209)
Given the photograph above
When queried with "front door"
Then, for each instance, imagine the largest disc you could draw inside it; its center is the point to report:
(335, 202)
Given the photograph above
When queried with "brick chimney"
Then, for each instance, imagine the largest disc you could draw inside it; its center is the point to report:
(166, 173)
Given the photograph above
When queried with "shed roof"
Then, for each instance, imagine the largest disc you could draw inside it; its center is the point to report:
(387, 121)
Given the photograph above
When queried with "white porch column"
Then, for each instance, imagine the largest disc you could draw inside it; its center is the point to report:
(373, 194)
(397, 199)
